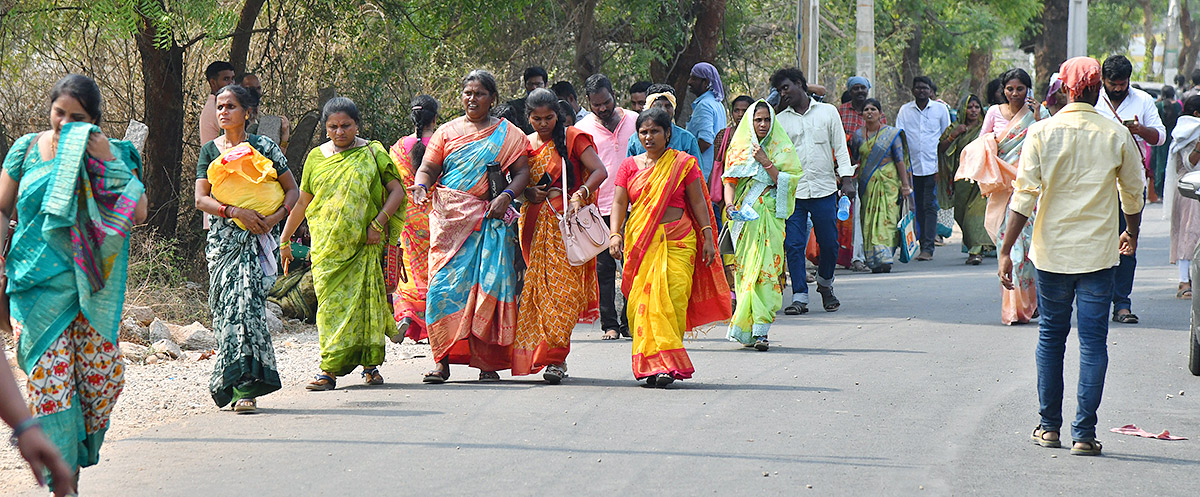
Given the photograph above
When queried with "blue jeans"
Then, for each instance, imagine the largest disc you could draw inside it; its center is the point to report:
(1090, 293)
(925, 193)
(1123, 276)
(824, 225)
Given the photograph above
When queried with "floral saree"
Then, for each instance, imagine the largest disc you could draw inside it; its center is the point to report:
(992, 161)
(970, 207)
(409, 299)
(556, 294)
(353, 316)
(472, 306)
(667, 291)
(66, 283)
(879, 188)
(758, 245)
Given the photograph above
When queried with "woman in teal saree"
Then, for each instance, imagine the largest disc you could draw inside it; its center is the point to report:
(77, 195)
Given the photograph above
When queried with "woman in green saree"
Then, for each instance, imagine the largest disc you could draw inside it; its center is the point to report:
(884, 179)
(342, 195)
(241, 262)
(761, 165)
(76, 195)
(970, 206)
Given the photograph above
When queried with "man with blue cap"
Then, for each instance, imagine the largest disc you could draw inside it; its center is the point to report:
(852, 119)
(708, 112)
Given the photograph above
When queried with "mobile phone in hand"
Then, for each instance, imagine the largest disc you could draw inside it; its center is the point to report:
(545, 180)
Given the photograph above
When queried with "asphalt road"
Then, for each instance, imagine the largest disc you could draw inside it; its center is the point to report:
(912, 388)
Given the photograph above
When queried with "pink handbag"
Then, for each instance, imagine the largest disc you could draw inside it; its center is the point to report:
(584, 233)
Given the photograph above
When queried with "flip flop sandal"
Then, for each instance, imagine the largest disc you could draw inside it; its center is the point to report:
(615, 335)
(1093, 449)
(661, 380)
(322, 383)
(650, 380)
(1039, 437)
(372, 376)
(1126, 318)
(1184, 294)
(437, 376)
(489, 376)
(762, 345)
(245, 406)
(553, 374)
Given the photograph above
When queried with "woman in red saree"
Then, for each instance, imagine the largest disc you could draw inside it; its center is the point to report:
(472, 303)
(673, 282)
(556, 294)
(408, 301)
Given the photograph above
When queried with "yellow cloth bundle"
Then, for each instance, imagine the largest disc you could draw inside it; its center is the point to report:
(244, 178)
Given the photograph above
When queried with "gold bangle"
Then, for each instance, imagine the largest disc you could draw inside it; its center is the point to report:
(610, 235)
(706, 228)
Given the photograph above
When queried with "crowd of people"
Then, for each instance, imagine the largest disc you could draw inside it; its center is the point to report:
(457, 233)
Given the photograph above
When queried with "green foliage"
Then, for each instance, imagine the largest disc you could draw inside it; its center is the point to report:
(1110, 24)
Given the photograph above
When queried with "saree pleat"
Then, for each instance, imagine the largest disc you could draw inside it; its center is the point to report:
(353, 316)
(556, 294)
(758, 245)
(668, 293)
(409, 299)
(67, 269)
(471, 307)
(245, 362)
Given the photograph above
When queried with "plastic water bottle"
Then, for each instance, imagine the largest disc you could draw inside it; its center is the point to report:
(843, 212)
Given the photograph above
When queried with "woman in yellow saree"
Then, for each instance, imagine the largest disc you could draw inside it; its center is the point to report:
(556, 294)
(672, 281)
(472, 304)
(350, 193)
(760, 166)
(408, 302)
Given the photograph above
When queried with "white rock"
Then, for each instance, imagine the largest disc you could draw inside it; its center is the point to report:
(152, 359)
(131, 328)
(160, 330)
(195, 337)
(134, 352)
(274, 324)
(143, 315)
(167, 348)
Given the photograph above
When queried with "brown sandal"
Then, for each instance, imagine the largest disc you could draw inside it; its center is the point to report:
(1093, 449)
(322, 383)
(1039, 437)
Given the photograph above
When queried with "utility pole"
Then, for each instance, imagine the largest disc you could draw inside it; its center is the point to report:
(864, 42)
(808, 37)
(1077, 26)
(1171, 42)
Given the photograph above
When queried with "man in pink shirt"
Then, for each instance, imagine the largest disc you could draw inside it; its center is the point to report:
(610, 127)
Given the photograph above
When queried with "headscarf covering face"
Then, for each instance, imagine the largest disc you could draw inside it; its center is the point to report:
(740, 162)
(1079, 74)
(655, 96)
(1056, 84)
(707, 71)
(857, 80)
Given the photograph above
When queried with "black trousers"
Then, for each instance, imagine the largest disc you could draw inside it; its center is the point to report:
(925, 188)
(611, 318)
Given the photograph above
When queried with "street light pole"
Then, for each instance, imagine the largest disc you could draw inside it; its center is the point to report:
(808, 36)
(1077, 26)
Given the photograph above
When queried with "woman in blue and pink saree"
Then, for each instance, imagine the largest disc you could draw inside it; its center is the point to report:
(471, 308)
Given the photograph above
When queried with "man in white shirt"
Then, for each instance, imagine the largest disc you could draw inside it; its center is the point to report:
(1136, 110)
(816, 131)
(923, 121)
(610, 127)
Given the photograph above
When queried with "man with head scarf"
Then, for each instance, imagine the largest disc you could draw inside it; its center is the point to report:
(708, 112)
(859, 89)
(662, 96)
(1134, 109)
(1074, 167)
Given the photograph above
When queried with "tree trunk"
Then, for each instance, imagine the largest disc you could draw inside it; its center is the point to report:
(979, 63)
(1148, 36)
(239, 47)
(1189, 47)
(702, 47)
(1050, 46)
(582, 13)
(162, 77)
(910, 62)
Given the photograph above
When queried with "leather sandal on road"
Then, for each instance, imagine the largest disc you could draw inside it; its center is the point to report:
(371, 376)
(322, 383)
(1086, 448)
(1042, 437)
(245, 406)
(437, 375)
(1125, 317)
(489, 376)
(828, 301)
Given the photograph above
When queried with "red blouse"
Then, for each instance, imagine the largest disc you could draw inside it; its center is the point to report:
(629, 168)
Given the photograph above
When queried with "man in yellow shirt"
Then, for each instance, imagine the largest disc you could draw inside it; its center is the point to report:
(1073, 168)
